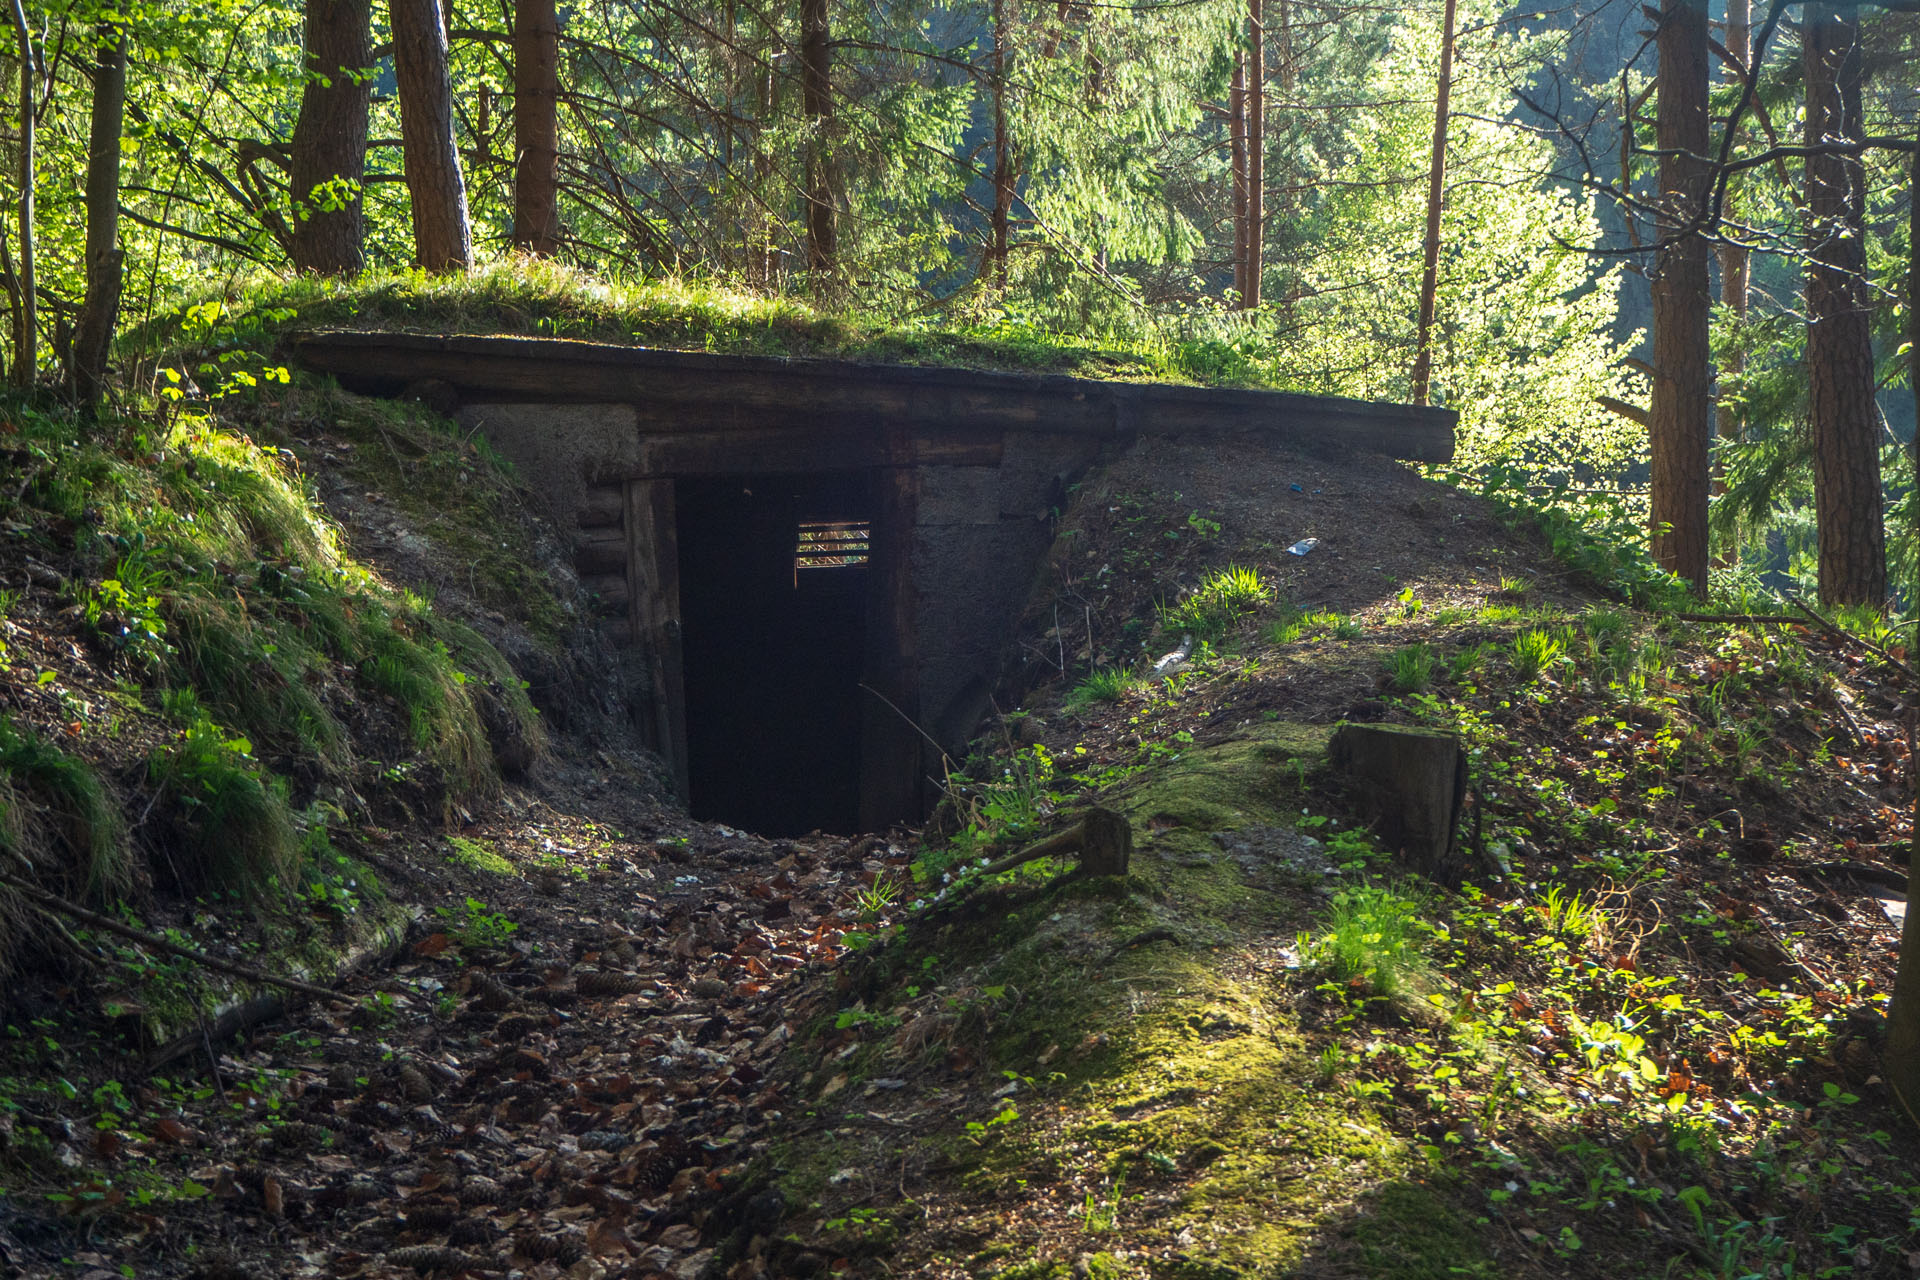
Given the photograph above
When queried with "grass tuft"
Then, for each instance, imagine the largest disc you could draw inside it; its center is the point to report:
(1223, 597)
(234, 831)
(58, 812)
(1102, 684)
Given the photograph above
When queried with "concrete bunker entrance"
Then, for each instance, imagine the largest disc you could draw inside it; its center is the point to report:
(776, 590)
(784, 697)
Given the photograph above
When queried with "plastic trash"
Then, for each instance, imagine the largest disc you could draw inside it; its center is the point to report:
(1296, 488)
(1303, 546)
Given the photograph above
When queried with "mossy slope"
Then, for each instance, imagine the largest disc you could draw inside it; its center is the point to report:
(1120, 1048)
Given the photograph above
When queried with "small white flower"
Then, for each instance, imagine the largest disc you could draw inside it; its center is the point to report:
(1512, 1186)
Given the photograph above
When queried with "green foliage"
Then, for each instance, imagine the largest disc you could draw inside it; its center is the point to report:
(1103, 684)
(1371, 942)
(1223, 597)
(1410, 669)
(477, 855)
(474, 926)
(1534, 650)
(234, 832)
(57, 815)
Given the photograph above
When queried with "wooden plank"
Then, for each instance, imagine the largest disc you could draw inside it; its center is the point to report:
(891, 750)
(678, 390)
(600, 551)
(837, 449)
(653, 578)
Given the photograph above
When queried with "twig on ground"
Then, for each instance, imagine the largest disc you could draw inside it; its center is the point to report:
(153, 942)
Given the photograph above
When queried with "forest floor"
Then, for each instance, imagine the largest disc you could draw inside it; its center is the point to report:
(592, 1038)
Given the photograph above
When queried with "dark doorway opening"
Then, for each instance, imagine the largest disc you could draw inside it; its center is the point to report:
(774, 581)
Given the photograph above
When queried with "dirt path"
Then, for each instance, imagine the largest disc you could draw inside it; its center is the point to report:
(555, 1081)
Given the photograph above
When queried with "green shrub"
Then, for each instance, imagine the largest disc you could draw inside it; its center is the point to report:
(1410, 669)
(1103, 684)
(59, 817)
(1533, 652)
(1372, 938)
(233, 830)
(1223, 597)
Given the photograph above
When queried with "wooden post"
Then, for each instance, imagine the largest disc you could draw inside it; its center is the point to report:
(653, 585)
(891, 750)
(1412, 783)
(1102, 838)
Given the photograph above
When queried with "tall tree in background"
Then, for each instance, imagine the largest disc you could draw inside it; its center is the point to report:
(536, 127)
(1735, 260)
(26, 347)
(328, 166)
(1436, 193)
(816, 92)
(1679, 415)
(442, 236)
(1256, 186)
(1844, 421)
(93, 332)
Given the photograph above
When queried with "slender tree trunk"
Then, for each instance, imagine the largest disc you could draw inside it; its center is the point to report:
(816, 93)
(93, 332)
(442, 236)
(1237, 172)
(1900, 1056)
(1436, 193)
(1840, 383)
(1729, 423)
(1679, 418)
(1000, 221)
(26, 342)
(329, 162)
(1256, 149)
(536, 127)
(1735, 265)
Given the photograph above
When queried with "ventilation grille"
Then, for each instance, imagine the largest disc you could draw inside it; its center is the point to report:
(830, 544)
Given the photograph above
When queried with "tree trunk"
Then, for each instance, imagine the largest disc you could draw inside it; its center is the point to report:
(329, 161)
(1679, 417)
(1436, 191)
(442, 238)
(536, 127)
(26, 343)
(816, 93)
(1844, 420)
(1237, 172)
(1000, 221)
(93, 333)
(1729, 423)
(1900, 1056)
(1256, 149)
(1913, 336)
(1735, 264)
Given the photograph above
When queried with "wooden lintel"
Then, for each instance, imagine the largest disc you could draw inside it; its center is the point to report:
(680, 390)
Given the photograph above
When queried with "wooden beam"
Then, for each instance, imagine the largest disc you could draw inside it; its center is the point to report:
(653, 578)
(678, 391)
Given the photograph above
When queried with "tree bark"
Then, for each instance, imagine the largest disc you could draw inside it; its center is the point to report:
(1900, 1057)
(1679, 425)
(1843, 418)
(93, 332)
(329, 162)
(1735, 261)
(442, 236)
(1436, 191)
(1237, 171)
(1256, 149)
(26, 348)
(999, 222)
(816, 93)
(536, 127)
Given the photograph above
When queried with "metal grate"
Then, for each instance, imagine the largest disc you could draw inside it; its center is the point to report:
(830, 544)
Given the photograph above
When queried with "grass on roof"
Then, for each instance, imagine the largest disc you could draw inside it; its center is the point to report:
(546, 299)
